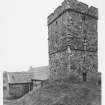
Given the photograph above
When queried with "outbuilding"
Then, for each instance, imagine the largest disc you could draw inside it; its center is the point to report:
(19, 83)
(39, 75)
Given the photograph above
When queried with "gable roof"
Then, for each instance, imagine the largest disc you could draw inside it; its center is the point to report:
(39, 73)
(19, 77)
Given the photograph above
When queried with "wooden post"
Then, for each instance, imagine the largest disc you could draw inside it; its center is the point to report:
(29, 86)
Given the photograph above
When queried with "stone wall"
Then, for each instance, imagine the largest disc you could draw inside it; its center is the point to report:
(18, 90)
(58, 64)
(73, 25)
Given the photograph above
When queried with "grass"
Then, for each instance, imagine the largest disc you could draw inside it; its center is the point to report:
(65, 91)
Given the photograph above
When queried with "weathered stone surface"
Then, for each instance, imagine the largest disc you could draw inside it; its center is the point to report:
(73, 24)
(57, 32)
(93, 12)
(50, 18)
(18, 90)
(76, 60)
(75, 6)
(90, 25)
(70, 4)
(91, 33)
(58, 64)
(92, 42)
(82, 7)
(91, 63)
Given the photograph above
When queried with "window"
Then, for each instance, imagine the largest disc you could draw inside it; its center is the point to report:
(56, 22)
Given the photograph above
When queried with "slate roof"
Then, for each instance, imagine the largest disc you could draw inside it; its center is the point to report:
(19, 77)
(36, 73)
(40, 73)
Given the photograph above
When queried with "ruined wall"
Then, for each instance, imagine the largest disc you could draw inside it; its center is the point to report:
(72, 24)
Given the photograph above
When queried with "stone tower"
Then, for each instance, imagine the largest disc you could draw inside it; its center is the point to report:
(72, 39)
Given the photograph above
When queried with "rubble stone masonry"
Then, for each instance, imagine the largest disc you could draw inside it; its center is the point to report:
(72, 35)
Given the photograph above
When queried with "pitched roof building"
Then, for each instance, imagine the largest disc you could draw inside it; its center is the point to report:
(18, 83)
(19, 77)
(39, 73)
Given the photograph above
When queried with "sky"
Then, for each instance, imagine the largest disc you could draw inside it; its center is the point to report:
(24, 32)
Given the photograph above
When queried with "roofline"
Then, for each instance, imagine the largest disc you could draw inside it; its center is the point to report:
(72, 10)
(38, 79)
(19, 83)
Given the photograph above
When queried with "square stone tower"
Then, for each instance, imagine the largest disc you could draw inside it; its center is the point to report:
(72, 39)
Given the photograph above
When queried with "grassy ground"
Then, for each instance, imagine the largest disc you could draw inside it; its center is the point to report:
(67, 91)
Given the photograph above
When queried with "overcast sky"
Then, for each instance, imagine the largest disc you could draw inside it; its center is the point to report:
(23, 32)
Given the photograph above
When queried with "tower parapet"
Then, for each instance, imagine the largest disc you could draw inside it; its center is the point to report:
(73, 5)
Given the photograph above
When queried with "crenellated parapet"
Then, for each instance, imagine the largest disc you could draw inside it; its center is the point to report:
(73, 5)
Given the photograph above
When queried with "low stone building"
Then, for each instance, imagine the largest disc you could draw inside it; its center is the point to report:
(39, 75)
(19, 83)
